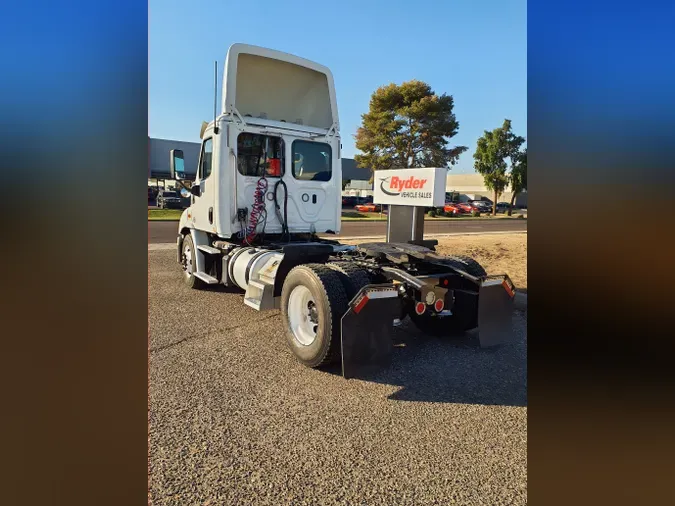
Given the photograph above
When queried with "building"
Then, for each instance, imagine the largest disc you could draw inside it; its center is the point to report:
(158, 160)
(472, 187)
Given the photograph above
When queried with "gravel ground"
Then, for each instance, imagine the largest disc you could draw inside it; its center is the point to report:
(234, 419)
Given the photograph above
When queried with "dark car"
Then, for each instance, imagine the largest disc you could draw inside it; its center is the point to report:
(481, 205)
(502, 207)
(169, 200)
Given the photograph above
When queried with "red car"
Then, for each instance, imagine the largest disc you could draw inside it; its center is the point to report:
(451, 207)
(367, 208)
(465, 207)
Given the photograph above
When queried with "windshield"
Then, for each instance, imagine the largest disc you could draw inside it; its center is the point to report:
(169, 194)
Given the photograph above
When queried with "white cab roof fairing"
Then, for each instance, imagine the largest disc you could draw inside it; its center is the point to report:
(285, 87)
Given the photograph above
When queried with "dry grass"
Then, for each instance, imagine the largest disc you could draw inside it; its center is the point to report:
(497, 253)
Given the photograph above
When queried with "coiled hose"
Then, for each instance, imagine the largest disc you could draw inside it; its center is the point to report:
(257, 210)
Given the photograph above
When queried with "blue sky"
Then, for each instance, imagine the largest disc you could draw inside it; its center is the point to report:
(475, 51)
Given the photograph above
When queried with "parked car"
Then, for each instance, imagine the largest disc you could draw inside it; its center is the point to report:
(464, 206)
(368, 208)
(481, 205)
(502, 207)
(453, 208)
(169, 200)
(152, 193)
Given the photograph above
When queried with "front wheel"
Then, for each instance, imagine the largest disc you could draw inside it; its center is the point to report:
(188, 260)
(313, 301)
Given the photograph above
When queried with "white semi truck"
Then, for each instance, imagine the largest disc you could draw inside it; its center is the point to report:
(268, 181)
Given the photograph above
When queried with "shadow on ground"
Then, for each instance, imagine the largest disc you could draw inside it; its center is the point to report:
(456, 369)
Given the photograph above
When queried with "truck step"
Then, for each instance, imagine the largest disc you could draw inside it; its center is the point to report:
(209, 280)
(254, 303)
(209, 249)
(259, 295)
(256, 284)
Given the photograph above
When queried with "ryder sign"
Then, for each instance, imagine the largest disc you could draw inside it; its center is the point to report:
(410, 187)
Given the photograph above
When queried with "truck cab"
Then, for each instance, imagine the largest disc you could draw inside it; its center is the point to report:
(277, 139)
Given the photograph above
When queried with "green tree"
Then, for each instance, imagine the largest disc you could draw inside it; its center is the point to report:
(345, 183)
(407, 126)
(490, 159)
(518, 176)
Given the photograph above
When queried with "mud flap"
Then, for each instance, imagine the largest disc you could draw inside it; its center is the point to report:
(495, 310)
(366, 330)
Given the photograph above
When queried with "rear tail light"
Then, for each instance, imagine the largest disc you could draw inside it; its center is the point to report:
(419, 308)
(438, 305)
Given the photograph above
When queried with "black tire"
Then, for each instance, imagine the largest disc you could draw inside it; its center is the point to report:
(330, 303)
(190, 280)
(353, 277)
(464, 317)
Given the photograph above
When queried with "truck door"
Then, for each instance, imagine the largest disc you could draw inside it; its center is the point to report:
(311, 184)
(202, 205)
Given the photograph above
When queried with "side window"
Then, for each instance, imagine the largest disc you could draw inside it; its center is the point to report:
(207, 159)
(259, 154)
(312, 161)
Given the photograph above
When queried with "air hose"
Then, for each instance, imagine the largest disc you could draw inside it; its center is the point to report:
(283, 220)
(257, 209)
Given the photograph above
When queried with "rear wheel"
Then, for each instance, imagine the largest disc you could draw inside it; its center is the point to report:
(353, 277)
(313, 301)
(465, 312)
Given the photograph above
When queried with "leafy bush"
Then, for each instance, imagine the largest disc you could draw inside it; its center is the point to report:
(475, 213)
(432, 213)
(520, 216)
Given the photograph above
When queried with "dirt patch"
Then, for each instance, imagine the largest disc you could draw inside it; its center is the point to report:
(497, 253)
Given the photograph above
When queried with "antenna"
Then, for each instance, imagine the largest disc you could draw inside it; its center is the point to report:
(215, 97)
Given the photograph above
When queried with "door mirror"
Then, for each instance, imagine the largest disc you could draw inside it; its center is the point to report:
(195, 190)
(177, 164)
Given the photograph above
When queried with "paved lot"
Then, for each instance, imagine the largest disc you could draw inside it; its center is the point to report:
(234, 419)
(165, 231)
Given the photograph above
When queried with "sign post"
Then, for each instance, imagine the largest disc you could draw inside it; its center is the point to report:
(408, 192)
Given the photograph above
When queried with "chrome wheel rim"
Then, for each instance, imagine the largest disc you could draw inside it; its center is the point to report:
(187, 260)
(303, 316)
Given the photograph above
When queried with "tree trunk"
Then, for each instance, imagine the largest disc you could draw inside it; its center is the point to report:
(494, 205)
(513, 198)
